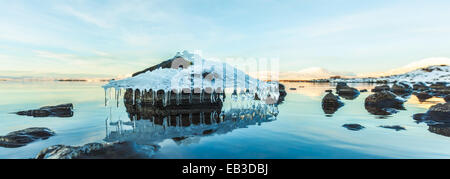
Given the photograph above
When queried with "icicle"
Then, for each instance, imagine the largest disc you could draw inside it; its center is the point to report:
(190, 97)
(154, 96)
(106, 101)
(169, 95)
(190, 118)
(201, 96)
(132, 90)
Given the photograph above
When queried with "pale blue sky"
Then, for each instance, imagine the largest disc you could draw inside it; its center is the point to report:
(121, 37)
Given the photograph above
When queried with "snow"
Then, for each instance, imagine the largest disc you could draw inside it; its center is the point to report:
(220, 76)
(430, 74)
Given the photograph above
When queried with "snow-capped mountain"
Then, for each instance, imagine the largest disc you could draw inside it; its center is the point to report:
(435, 73)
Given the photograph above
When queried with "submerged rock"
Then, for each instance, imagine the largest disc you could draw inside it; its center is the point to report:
(353, 127)
(62, 110)
(118, 150)
(23, 137)
(396, 127)
(331, 103)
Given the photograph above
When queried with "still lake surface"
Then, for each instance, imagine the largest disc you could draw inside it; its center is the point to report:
(301, 129)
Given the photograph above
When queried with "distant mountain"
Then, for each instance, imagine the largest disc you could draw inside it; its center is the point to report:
(435, 73)
(311, 73)
(432, 73)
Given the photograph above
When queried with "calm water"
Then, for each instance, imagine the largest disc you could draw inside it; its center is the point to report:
(301, 130)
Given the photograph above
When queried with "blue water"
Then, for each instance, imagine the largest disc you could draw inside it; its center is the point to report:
(301, 129)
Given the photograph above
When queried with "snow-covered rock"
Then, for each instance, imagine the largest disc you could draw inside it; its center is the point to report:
(190, 71)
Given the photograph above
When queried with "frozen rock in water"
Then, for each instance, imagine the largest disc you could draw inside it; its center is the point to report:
(353, 127)
(422, 96)
(62, 110)
(401, 88)
(117, 150)
(331, 103)
(396, 127)
(381, 88)
(23, 137)
(441, 129)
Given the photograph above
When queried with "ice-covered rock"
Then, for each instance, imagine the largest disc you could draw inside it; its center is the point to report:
(189, 72)
(23, 137)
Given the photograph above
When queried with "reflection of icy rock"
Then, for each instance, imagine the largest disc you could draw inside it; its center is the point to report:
(185, 128)
(98, 151)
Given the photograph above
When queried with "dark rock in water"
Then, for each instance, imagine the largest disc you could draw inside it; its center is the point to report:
(381, 88)
(447, 98)
(383, 103)
(385, 99)
(62, 110)
(343, 89)
(420, 86)
(23, 137)
(353, 127)
(423, 96)
(293, 88)
(331, 103)
(283, 93)
(441, 129)
(439, 112)
(329, 91)
(401, 88)
(118, 150)
(363, 90)
(438, 85)
(396, 127)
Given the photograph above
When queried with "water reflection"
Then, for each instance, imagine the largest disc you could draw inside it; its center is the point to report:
(185, 118)
(182, 127)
